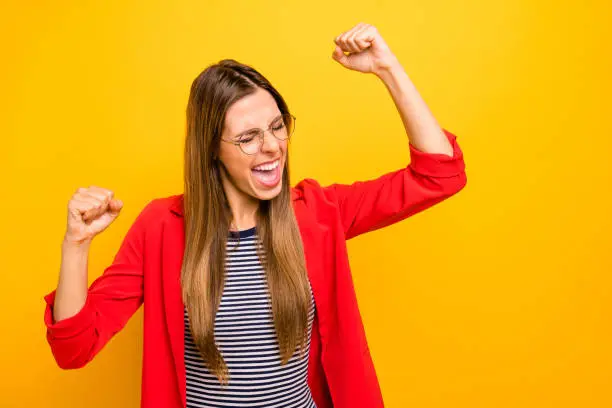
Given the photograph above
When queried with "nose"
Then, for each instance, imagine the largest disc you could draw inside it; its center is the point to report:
(270, 143)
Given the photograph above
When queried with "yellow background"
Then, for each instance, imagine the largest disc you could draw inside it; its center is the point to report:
(499, 297)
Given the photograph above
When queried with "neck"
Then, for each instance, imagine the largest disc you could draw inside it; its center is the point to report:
(243, 217)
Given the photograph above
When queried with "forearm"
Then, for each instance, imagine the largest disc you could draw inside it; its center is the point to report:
(421, 126)
(72, 286)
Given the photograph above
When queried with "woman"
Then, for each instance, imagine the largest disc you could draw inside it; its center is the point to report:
(249, 296)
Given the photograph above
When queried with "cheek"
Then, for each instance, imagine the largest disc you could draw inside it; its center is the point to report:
(238, 167)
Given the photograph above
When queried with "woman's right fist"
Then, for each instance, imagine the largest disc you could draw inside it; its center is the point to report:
(90, 211)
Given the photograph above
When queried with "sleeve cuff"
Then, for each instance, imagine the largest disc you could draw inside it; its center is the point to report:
(438, 164)
(70, 326)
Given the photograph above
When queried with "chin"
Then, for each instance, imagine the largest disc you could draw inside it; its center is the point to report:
(268, 194)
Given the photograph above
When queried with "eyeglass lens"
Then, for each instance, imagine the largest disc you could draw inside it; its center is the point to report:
(282, 129)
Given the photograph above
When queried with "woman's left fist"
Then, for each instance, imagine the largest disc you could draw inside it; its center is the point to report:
(367, 50)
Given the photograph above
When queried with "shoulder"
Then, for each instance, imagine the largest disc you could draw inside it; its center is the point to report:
(312, 193)
(159, 207)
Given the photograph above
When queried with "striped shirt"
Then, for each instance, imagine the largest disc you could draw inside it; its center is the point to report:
(246, 338)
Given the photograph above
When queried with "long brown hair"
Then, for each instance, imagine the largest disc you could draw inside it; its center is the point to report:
(208, 217)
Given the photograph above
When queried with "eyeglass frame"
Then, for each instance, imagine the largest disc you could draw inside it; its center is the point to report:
(261, 135)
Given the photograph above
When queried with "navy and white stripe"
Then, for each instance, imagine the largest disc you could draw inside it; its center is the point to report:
(245, 335)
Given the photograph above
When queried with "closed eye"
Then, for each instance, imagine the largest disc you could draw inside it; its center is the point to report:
(276, 124)
(247, 137)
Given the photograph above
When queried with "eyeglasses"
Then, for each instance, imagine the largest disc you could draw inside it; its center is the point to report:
(250, 142)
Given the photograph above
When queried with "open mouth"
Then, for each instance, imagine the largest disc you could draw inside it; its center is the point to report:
(267, 175)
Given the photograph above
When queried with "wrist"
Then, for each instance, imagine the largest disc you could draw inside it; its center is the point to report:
(388, 67)
(70, 244)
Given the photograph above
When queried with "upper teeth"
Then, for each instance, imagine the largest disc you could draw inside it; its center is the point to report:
(269, 166)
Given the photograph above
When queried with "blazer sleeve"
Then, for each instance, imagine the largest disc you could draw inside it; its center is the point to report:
(111, 300)
(429, 178)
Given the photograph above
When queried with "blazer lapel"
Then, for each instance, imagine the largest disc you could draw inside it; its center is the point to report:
(172, 258)
(315, 238)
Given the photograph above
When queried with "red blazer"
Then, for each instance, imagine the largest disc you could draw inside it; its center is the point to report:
(147, 266)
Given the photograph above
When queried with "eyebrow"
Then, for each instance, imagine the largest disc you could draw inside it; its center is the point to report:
(248, 130)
